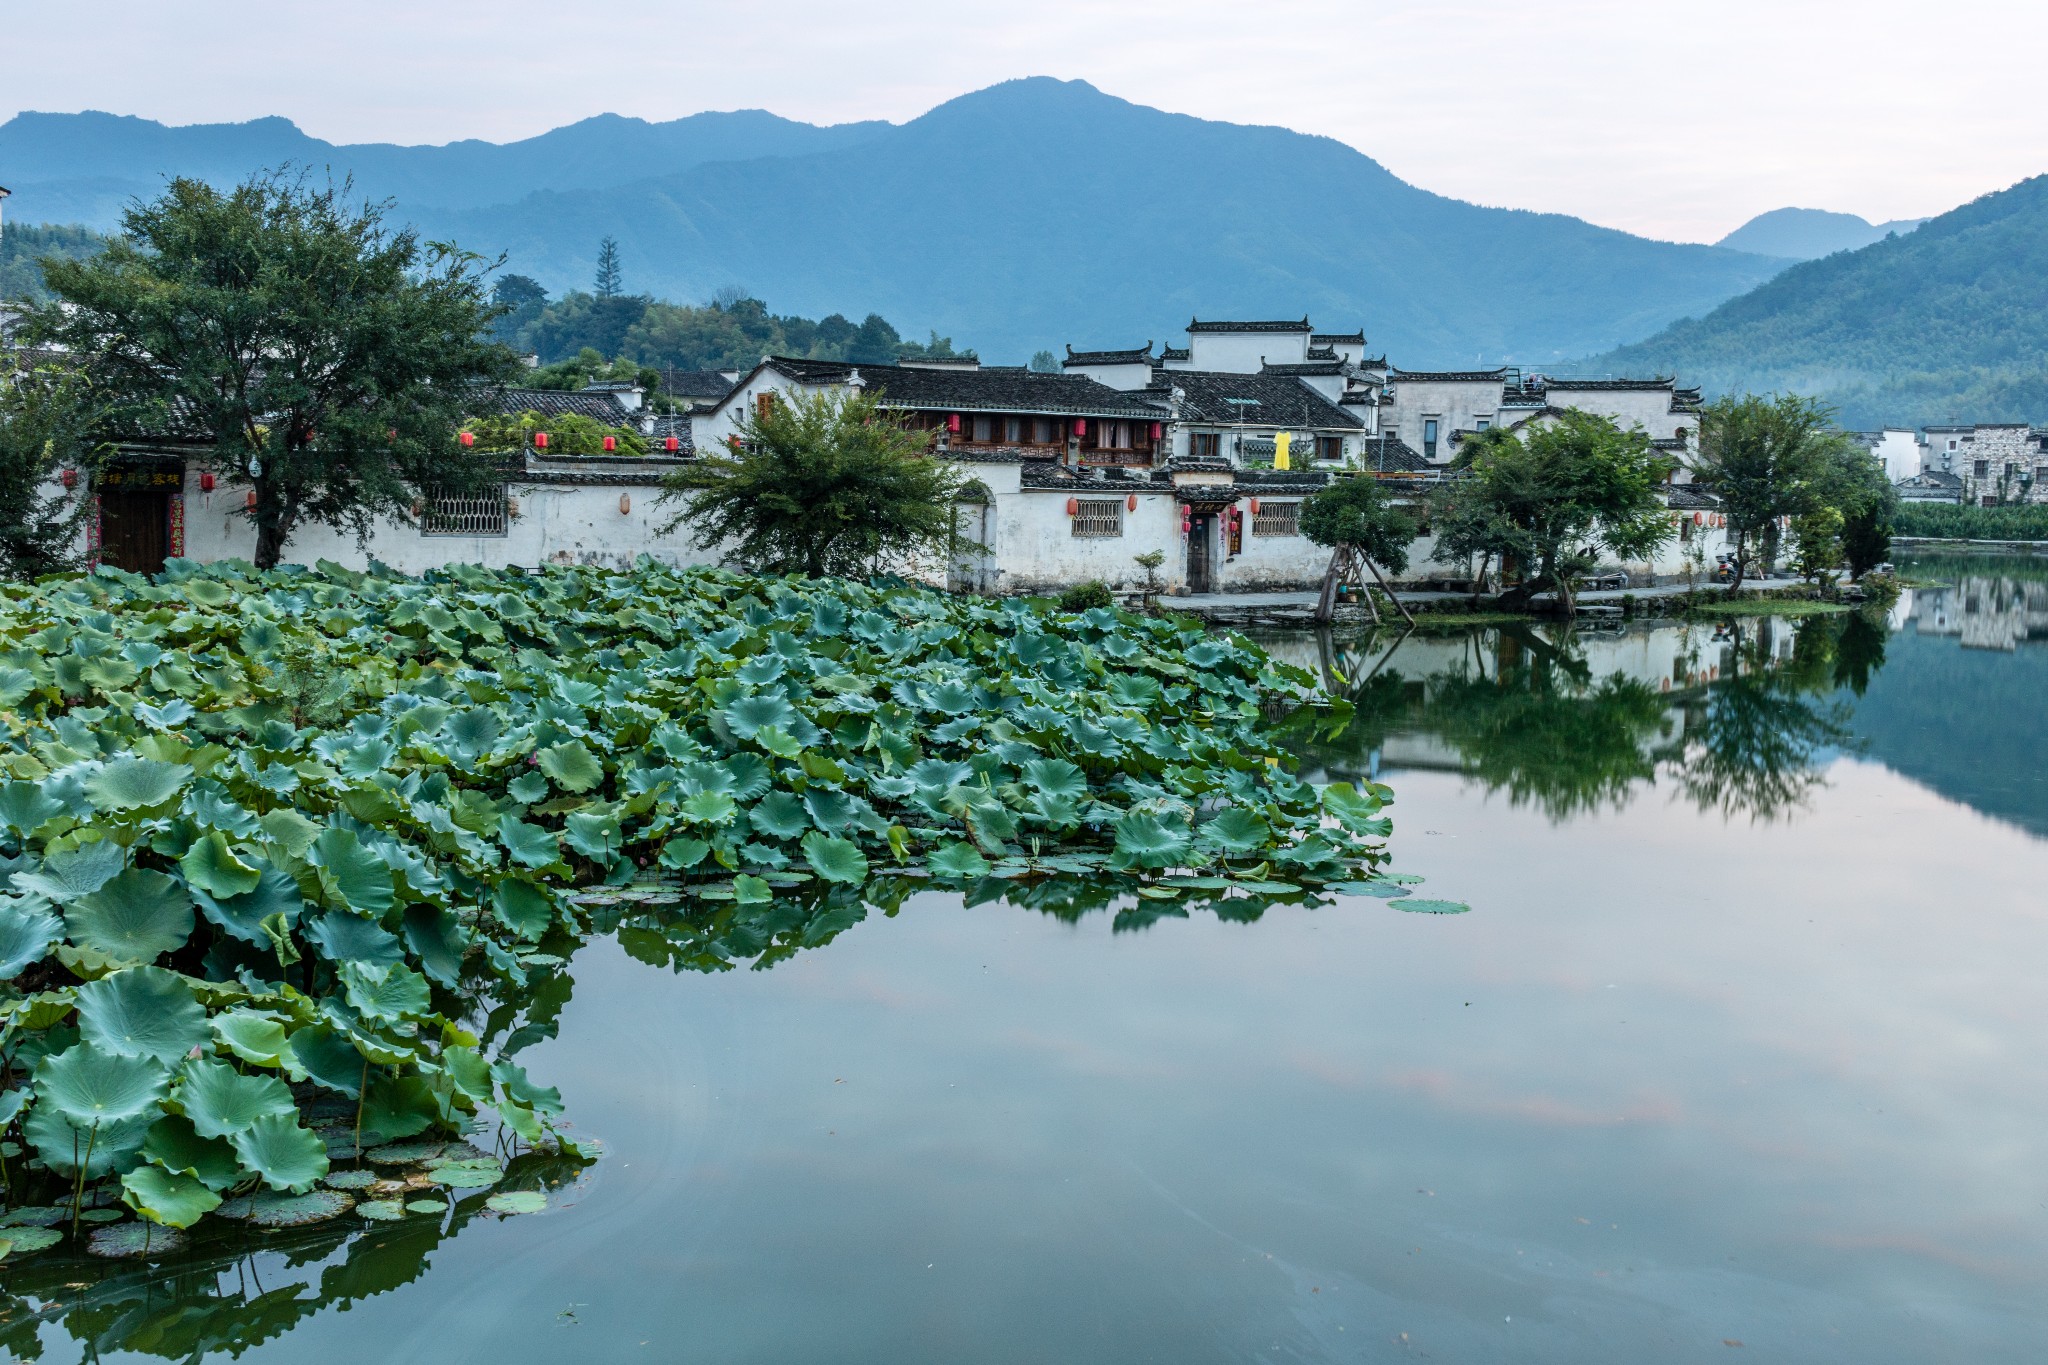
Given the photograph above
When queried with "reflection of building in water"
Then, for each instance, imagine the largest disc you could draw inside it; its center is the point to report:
(1984, 611)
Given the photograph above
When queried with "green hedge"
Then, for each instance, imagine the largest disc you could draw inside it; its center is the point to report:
(1945, 521)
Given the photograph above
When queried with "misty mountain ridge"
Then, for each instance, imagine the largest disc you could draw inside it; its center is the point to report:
(1028, 214)
(1809, 234)
(1948, 322)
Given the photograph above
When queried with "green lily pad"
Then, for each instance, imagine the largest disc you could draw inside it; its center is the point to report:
(381, 1210)
(35, 1216)
(135, 783)
(836, 860)
(1422, 907)
(517, 1201)
(26, 1241)
(287, 1156)
(222, 1102)
(467, 1175)
(89, 1085)
(26, 933)
(176, 1201)
(142, 1012)
(274, 1210)
(405, 1153)
(129, 1241)
(426, 1206)
(135, 917)
(349, 1180)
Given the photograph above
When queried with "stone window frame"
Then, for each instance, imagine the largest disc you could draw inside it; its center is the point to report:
(1098, 519)
(488, 513)
(1277, 518)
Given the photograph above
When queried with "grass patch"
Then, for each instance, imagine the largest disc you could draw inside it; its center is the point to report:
(1766, 606)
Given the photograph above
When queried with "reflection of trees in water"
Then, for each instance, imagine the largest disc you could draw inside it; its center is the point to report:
(1526, 716)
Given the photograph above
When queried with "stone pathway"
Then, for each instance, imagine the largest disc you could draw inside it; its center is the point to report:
(1298, 608)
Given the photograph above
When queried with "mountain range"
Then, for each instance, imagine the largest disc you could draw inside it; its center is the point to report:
(1948, 322)
(1028, 214)
(1807, 234)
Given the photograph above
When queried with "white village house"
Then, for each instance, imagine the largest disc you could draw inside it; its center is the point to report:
(1202, 453)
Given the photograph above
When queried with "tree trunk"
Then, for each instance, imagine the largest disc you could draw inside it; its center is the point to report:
(1735, 583)
(1326, 602)
(1351, 571)
(1479, 583)
(273, 527)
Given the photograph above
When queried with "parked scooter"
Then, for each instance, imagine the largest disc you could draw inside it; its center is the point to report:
(1724, 568)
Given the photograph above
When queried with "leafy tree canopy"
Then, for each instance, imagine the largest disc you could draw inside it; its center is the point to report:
(568, 434)
(1772, 457)
(47, 417)
(23, 247)
(1555, 498)
(821, 484)
(320, 353)
(1360, 513)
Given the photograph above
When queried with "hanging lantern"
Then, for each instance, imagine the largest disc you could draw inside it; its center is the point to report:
(1699, 518)
(468, 439)
(953, 423)
(540, 440)
(1255, 506)
(611, 443)
(206, 481)
(672, 445)
(1131, 503)
(69, 478)
(625, 503)
(392, 434)
(250, 502)
(1073, 507)
(1080, 426)
(1157, 431)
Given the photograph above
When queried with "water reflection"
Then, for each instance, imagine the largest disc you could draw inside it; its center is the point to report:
(1736, 717)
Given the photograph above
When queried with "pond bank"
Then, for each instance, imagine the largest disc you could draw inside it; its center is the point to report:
(1457, 609)
(1934, 545)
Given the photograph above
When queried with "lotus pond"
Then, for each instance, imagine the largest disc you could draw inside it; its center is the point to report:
(1739, 1046)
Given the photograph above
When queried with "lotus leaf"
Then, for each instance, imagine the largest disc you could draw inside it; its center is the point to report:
(340, 936)
(957, 860)
(268, 1209)
(390, 994)
(173, 1144)
(532, 845)
(68, 874)
(517, 1201)
(349, 1180)
(381, 1210)
(127, 1241)
(35, 1216)
(212, 865)
(221, 1101)
(128, 783)
(405, 1153)
(426, 1206)
(523, 908)
(64, 1146)
(1424, 907)
(352, 874)
(25, 1241)
(1235, 830)
(142, 1012)
(253, 1036)
(1144, 841)
(89, 1084)
(467, 1175)
(26, 933)
(136, 917)
(437, 940)
(836, 860)
(287, 1156)
(274, 895)
(176, 1201)
(25, 808)
(329, 1058)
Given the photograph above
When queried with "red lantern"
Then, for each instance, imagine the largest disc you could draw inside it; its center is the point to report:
(1131, 503)
(206, 481)
(69, 478)
(1255, 506)
(611, 443)
(1157, 431)
(392, 434)
(1073, 507)
(953, 422)
(540, 440)
(672, 445)
(1699, 518)
(250, 502)
(468, 438)
(1080, 426)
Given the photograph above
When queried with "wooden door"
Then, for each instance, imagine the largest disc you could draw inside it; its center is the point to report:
(134, 529)
(1201, 575)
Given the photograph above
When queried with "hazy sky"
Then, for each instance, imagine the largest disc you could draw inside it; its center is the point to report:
(1676, 120)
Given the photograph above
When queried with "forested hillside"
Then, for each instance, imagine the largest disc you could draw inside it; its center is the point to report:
(1948, 322)
(22, 245)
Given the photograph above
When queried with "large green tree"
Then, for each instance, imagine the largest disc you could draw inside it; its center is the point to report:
(323, 355)
(1768, 458)
(1554, 499)
(826, 483)
(48, 414)
(1357, 519)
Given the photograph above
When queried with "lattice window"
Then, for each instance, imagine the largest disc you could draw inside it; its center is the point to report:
(1099, 517)
(1277, 519)
(465, 514)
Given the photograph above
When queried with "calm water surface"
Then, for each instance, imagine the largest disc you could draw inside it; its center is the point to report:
(1743, 1043)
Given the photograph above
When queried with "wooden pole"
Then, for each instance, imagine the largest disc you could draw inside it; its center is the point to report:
(1398, 604)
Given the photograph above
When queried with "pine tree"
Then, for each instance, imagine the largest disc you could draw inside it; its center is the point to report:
(609, 284)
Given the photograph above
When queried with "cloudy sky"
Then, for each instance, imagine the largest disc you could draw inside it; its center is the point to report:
(1673, 118)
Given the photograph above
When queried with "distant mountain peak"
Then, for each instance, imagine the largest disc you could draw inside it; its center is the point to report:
(1798, 234)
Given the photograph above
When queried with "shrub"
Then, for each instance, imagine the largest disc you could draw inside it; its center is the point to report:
(1083, 596)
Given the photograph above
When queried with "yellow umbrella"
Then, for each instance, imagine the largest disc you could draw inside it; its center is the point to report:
(1280, 443)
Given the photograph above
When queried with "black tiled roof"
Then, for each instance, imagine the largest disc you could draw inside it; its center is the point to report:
(1321, 353)
(666, 426)
(1688, 497)
(1392, 455)
(985, 390)
(1197, 325)
(589, 470)
(1312, 367)
(1376, 363)
(1280, 400)
(599, 407)
(695, 383)
(1174, 353)
(1356, 338)
(1447, 376)
(1607, 385)
(1137, 355)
